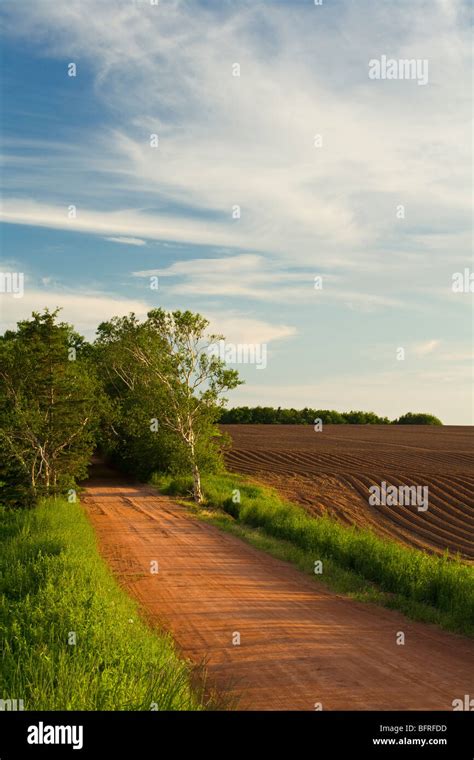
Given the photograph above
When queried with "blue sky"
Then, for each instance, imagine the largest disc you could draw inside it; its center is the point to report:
(249, 140)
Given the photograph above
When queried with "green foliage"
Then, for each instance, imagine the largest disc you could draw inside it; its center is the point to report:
(268, 415)
(49, 404)
(418, 418)
(154, 407)
(165, 385)
(52, 582)
(364, 418)
(439, 589)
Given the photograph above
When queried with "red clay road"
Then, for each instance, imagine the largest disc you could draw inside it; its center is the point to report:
(299, 643)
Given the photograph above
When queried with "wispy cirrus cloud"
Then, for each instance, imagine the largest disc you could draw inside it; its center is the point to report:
(126, 240)
(252, 137)
(262, 279)
(85, 309)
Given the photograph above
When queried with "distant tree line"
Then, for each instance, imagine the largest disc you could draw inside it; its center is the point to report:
(269, 415)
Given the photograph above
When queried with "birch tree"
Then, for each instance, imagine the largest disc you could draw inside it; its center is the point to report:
(176, 351)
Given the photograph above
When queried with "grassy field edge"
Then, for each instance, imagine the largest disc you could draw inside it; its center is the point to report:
(71, 638)
(354, 561)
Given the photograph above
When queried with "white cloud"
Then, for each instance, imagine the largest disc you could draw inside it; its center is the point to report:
(249, 275)
(85, 310)
(422, 349)
(126, 221)
(263, 279)
(238, 328)
(249, 140)
(126, 240)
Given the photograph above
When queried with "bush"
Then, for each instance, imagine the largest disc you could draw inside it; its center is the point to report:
(418, 418)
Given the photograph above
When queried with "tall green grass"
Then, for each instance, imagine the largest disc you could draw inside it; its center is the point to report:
(439, 589)
(54, 582)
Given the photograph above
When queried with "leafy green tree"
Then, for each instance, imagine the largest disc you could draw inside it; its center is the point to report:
(327, 417)
(239, 415)
(128, 435)
(192, 375)
(171, 358)
(364, 418)
(417, 418)
(48, 408)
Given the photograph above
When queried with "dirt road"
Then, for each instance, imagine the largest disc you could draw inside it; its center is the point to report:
(299, 644)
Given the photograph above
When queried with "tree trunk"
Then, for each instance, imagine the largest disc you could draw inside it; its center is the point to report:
(47, 477)
(33, 476)
(197, 492)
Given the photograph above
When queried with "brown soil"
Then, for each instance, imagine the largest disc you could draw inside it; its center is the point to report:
(299, 644)
(331, 472)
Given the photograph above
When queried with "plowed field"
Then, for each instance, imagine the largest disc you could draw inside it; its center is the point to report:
(331, 472)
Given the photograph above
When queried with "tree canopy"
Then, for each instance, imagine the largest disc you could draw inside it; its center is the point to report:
(49, 403)
(417, 418)
(168, 361)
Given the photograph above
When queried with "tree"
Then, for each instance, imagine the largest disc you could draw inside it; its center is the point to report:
(175, 357)
(135, 395)
(48, 407)
(238, 415)
(417, 418)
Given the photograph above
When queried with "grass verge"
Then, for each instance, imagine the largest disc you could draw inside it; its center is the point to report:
(53, 583)
(356, 562)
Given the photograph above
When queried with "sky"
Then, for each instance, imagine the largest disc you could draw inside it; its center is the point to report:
(241, 153)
